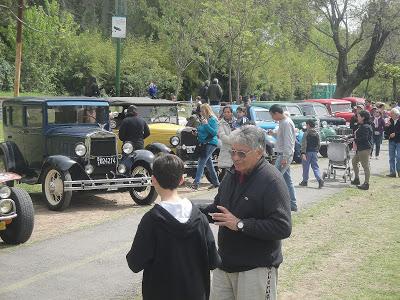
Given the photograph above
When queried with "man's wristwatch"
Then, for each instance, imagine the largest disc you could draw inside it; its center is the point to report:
(240, 225)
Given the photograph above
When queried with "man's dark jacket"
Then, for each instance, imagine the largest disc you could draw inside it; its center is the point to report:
(204, 93)
(214, 93)
(263, 203)
(364, 137)
(176, 257)
(135, 130)
(394, 129)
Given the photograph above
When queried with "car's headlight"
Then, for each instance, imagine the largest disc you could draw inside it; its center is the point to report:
(121, 169)
(127, 148)
(80, 149)
(5, 192)
(174, 141)
(6, 206)
(89, 169)
(324, 124)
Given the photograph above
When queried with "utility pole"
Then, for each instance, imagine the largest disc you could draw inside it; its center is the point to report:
(18, 48)
(119, 32)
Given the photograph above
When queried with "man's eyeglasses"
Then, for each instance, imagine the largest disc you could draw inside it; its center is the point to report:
(240, 154)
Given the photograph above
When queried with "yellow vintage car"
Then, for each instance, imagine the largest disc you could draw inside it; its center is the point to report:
(165, 119)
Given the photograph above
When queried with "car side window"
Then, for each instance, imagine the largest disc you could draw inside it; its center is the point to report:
(34, 116)
(16, 116)
(5, 116)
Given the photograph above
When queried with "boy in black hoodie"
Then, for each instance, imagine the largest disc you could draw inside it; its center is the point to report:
(174, 244)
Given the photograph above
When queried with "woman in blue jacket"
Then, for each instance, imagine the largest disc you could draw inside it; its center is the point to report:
(207, 135)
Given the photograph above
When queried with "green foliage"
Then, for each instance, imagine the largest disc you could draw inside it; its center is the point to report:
(178, 44)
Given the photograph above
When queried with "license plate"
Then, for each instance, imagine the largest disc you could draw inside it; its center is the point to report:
(105, 161)
(2, 225)
(190, 149)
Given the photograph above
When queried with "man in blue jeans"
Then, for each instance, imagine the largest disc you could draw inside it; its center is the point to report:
(286, 138)
(393, 131)
(309, 154)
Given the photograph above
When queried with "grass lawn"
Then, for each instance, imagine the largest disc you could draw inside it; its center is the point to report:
(346, 247)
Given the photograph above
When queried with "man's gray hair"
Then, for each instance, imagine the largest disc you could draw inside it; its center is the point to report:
(395, 111)
(249, 135)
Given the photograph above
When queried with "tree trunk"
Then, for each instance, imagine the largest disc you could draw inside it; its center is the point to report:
(230, 74)
(395, 94)
(345, 82)
(178, 84)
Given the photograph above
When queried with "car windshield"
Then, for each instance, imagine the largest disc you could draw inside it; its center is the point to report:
(159, 114)
(293, 110)
(309, 110)
(263, 116)
(77, 114)
(321, 111)
(341, 107)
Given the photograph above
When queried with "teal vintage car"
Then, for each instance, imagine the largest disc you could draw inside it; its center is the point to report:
(299, 120)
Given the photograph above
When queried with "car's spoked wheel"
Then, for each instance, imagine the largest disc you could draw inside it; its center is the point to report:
(53, 189)
(142, 195)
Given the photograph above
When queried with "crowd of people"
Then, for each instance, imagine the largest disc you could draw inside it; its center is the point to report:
(174, 244)
(370, 125)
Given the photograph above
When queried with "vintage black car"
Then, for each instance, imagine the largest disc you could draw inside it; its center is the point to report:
(63, 144)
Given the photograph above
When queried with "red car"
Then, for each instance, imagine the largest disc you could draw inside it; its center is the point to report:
(355, 101)
(337, 107)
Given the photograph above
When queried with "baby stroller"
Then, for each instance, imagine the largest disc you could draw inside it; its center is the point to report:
(339, 157)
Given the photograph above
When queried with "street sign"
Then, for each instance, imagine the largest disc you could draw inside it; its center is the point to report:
(118, 27)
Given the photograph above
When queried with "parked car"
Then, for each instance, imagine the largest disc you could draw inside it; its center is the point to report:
(62, 143)
(261, 118)
(336, 107)
(16, 211)
(161, 116)
(299, 119)
(355, 101)
(330, 125)
(296, 114)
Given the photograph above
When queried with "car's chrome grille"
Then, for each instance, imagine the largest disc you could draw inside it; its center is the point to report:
(103, 146)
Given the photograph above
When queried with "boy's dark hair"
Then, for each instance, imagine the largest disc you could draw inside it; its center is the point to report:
(311, 123)
(276, 108)
(365, 114)
(168, 170)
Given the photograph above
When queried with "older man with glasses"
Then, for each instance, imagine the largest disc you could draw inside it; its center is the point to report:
(252, 210)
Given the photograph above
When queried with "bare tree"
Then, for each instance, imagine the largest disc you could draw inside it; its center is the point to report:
(350, 27)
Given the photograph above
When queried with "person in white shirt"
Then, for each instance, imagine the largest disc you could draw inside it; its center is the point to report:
(286, 138)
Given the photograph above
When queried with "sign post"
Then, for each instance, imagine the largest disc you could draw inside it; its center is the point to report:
(118, 29)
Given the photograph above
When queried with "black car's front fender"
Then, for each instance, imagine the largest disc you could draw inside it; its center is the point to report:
(138, 157)
(158, 147)
(64, 163)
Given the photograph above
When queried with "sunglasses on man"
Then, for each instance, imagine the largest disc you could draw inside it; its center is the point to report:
(240, 154)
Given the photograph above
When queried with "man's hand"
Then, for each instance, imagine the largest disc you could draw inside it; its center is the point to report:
(392, 135)
(303, 157)
(225, 218)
